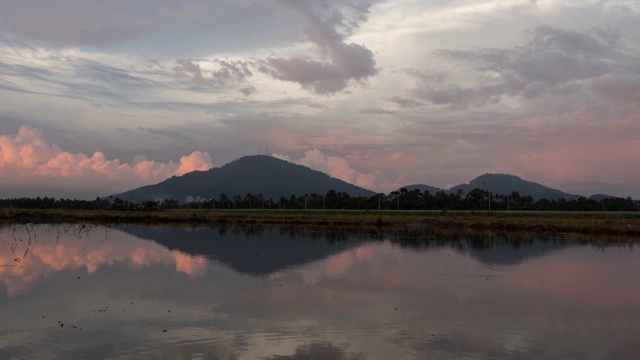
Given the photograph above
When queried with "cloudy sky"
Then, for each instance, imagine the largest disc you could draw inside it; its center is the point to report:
(98, 97)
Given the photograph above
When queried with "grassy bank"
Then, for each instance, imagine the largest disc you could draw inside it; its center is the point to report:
(597, 223)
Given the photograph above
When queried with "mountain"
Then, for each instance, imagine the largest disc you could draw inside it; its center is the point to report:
(505, 184)
(422, 187)
(600, 197)
(258, 174)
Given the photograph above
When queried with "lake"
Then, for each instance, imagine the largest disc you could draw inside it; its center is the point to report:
(148, 292)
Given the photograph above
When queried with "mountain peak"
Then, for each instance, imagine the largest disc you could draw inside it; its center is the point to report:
(255, 174)
(505, 184)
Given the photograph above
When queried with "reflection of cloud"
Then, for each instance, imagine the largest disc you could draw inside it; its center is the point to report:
(318, 351)
(342, 266)
(194, 266)
(62, 248)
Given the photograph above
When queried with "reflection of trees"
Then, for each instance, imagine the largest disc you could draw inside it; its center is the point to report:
(319, 351)
(405, 236)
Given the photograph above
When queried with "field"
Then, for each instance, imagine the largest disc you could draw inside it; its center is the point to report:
(596, 223)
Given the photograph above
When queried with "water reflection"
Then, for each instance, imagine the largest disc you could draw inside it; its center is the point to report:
(311, 293)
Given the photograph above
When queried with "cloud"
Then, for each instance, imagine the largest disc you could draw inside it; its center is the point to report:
(343, 62)
(200, 161)
(404, 102)
(54, 23)
(70, 73)
(619, 88)
(550, 60)
(190, 70)
(27, 156)
(336, 167)
(94, 22)
(220, 73)
(378, 111)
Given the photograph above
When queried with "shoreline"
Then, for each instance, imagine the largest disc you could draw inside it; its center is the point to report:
(588, 223)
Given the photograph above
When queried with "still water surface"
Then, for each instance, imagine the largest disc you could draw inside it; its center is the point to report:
(138, 292)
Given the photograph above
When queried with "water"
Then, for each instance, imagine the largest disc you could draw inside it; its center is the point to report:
(136, 292)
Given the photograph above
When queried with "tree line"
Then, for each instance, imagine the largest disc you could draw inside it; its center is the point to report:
(402, 199)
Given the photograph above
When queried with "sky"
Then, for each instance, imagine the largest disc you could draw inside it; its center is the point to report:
(99, 97)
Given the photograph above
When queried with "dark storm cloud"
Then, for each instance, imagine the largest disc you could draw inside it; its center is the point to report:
(551, 60)
(328, 26)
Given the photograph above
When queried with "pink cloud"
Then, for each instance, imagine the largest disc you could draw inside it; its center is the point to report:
(338, 168)
(28, 157)
(341, 168)
(197, 161)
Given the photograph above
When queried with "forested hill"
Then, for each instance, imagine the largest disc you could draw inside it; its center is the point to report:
(503, 184)
(258, 174)
(422, 188)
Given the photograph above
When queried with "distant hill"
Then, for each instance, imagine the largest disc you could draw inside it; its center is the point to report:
(422, 187)
(506, 184)
(600, 197)
(258, 174)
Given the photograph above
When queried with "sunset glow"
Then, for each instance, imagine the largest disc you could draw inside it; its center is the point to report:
(379, 93)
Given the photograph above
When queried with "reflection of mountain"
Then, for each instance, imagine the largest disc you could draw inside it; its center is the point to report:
(266, 251)
(500, 250)
(259, 253)
(506, 184)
